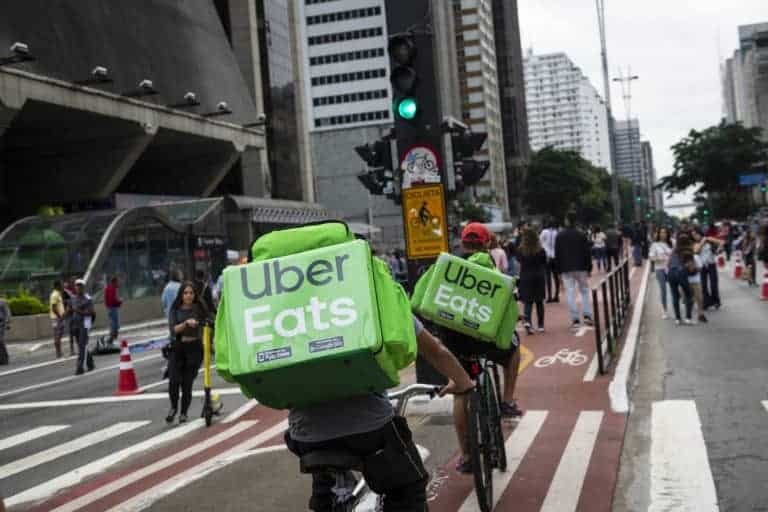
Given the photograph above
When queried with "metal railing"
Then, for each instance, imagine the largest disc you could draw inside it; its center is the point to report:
(612, 293)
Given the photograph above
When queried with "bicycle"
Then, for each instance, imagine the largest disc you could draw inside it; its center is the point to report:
(565, 356)
(349, 489)
(484, 428)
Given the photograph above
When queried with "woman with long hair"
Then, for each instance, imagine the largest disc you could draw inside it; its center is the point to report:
(185, 321)
(659, 253)
(533, 263)
(677, 275)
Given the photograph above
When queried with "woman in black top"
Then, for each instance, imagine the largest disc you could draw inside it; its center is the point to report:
(185, 321)
(533, 262)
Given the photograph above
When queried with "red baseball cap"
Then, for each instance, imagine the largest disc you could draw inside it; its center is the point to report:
(475, 232)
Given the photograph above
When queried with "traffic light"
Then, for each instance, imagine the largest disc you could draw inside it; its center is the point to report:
(705, 212)
(402, 53)
(379, 179)
(638, 198)
(467, 171)
(763, 188)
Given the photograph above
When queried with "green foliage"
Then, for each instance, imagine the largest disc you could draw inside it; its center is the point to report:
(712, 160)
(472, 211)
(26, 304)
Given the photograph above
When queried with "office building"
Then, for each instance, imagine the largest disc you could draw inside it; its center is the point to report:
(745, 79)
(655, 197)
(565, 111)
(478, 77)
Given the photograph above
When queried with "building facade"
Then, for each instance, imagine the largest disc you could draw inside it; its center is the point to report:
(564, 109)
(629, 156)
(745, 79)
(478, 77)
(655, 197)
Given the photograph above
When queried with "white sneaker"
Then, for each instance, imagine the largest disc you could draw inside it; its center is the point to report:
(688, 321)
(664, 315)
(677, 322)
(540, 329)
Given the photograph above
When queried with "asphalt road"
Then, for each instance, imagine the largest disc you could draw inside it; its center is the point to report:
(711, 380)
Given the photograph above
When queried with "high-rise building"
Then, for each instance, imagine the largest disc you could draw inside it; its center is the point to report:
(509, 66)
(745, 79)
(655, 197)
(478, 76)
(565, 111)
(629, 157)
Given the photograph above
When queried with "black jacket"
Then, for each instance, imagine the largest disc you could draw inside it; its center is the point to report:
(572, 251)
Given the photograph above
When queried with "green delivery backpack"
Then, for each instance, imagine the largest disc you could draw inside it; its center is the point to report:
(468, 296)
(313, 318)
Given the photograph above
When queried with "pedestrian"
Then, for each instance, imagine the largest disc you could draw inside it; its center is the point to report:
(170, 291)
(204, 291)
(547, 239)
(5, 324)
(706, 247)
(677, 277)
(612, 247)
(574, 260)
(498, 255)
(69, 294)
(749, 250)
(659, 253)
(185, 321)
(82, 320)
(531, 286)
(57, 313)
(112, 302)
(694, 266)
(599, 248)
(637, 244)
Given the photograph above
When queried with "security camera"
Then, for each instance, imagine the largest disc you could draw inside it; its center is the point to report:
(19, 48)
(222, 106)
(146, 84)
(190, 97)
(261, 117)
(100, 72)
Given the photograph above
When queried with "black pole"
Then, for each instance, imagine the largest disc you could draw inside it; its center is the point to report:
(598, 332)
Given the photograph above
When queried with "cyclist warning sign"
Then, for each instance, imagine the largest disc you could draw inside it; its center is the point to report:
(425, 225)
(420, 164)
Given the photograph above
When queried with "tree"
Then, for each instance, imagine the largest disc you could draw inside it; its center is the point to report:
(712, 161)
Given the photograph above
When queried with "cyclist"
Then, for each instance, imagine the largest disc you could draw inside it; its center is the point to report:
(367, 426)
(475, 241)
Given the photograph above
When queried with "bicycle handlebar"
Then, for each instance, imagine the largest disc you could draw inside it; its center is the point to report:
(403, 395)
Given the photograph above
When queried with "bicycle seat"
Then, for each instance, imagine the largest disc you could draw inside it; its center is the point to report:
(329, 460)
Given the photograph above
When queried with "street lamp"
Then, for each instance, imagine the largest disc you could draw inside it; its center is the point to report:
(222, 109)
(145, 88)
(190, 100)
(19, 53)
(99, 75)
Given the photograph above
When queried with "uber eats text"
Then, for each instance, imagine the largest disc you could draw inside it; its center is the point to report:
(462, 277)
(262, 322)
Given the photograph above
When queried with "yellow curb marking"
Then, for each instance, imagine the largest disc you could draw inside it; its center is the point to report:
(526, 358)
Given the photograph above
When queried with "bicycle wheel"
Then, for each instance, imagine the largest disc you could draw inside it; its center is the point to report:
(480, 453)
(495, 408)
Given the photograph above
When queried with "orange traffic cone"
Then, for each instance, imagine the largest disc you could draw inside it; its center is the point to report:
(126, 381)
(738, 268)
(764, 294)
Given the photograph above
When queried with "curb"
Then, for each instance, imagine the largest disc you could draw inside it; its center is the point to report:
(101, 332)
(618, 390)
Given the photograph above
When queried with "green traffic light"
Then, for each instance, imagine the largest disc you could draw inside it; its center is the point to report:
(637, 199)
(407, 108)
(706, 212)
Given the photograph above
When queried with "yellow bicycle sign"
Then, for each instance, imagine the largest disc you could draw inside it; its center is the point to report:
(424, 218)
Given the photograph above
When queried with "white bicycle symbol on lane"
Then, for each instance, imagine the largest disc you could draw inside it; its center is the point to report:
(565, 356)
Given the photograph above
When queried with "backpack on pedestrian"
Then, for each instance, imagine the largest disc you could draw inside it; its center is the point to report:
(313, 318)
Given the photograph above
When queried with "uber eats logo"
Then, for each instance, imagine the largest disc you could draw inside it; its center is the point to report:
(454, 298)
(283, 284)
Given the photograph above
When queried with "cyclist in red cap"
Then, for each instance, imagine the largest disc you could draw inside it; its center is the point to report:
(475, 241)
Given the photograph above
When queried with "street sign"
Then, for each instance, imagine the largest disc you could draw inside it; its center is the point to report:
(420, 165)
(426, 230)
(748, 180)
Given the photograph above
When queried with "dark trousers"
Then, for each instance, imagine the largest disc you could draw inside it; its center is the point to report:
(612, 257)
(710, 285)
(679, 281)
(83, 357)
(183, 364)
(3, 350)
(539, 312)
(392, 467)
(552, 277)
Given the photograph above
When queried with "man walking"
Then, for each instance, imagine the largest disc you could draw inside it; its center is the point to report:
(612, 246)
(552, 272)
(113, 303)
(57, 314)
(5, 324)
(574, 260)
(82, 319)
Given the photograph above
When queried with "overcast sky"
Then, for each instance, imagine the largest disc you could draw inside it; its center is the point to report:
(672, 45)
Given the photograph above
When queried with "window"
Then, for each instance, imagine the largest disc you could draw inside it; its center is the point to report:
(343, 15)
(344, 36)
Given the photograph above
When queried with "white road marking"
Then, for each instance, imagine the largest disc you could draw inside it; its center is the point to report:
(151, 495)
(565, 488)
(583, 330)
(49, 383)
(29, 435)
(34, 347)
(65, 449)
(160, 383)
(107, 399)
(38, 365)
(77, 475)
(240, 411)
(516, 447)
(681, 478)
(592, 370)
(617, 391)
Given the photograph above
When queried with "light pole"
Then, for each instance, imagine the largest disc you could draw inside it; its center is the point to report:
(616, 202)
(626, 91)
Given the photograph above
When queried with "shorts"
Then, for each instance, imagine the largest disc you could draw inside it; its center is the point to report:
(463, 347)
(58, 325)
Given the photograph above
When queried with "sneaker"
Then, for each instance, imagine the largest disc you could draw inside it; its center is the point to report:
(171, 415)
(182, 418)
(688, 321)
(510, 410)
(79, 371)
(464, 466)
(540, 330)
(528, 329)
(677, 322)
(664, 314)
(588, 320)
(575, 325)
(703, 319)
